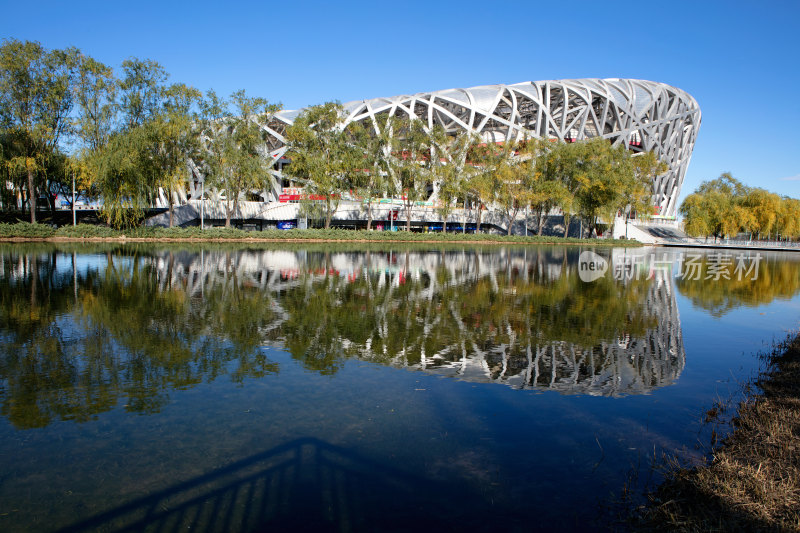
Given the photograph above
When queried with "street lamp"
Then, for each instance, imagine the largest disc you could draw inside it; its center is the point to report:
(73, 197)
(202, 203)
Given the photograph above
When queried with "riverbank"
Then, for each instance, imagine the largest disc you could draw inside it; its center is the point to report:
(752, 482)
(26, 232)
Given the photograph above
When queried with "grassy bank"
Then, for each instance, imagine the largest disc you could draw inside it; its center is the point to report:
(752, 482)
(34, 232)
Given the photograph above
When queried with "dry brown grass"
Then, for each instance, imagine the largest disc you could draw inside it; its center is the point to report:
(752, 482)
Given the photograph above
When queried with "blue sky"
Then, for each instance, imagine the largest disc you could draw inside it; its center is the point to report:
(738, 59)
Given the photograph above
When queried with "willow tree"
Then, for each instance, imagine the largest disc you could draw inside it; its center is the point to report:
(248, 160)
(411, 161)
(174, 140)
(373, 143)
(511, 179)
(141, 91)
(544, 196)
(454, 170)
(125, 177)
(450, 185)
(129, 167)
(765, 208)
(323, 155)
(35, 103)
(600, 173)
(437, 172)
(150, 149)
(696, 214)
(715, 208)
(233, 149)
(636, 187)
(214, 138)
(559, 165)
(162, 118)
(485, 184)
(637, 191)
(788, 220)
(725, 206)
(95, 89)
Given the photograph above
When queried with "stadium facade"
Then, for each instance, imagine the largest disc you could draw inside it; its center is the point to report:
(641, 115)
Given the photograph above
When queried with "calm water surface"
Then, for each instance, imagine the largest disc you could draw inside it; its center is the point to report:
(356, 389)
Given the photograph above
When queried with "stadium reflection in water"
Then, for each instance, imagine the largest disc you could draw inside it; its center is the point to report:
(158, 320)
(306, 343)
(518, 317)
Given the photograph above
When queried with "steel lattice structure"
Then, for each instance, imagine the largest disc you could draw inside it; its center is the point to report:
(641, 115)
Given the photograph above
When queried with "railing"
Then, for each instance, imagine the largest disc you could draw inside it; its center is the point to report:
(750, 242)
(653, 222)
(735, 243)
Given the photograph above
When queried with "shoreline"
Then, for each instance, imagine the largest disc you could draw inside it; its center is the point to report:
(751, 482)
(122, 240)
(25, 232)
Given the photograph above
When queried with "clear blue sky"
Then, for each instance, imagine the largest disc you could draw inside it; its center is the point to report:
(740, 60)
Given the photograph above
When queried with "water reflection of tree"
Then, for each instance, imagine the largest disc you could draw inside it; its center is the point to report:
(139, 339)
(777, 278)
(76, 345)
(44, 376)
(332, 318)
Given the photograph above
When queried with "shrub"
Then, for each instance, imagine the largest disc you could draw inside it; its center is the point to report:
(87, 231)
(26, 230)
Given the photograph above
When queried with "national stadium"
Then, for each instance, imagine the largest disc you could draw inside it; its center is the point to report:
(640, 115)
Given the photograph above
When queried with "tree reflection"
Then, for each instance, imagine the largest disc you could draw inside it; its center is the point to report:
(42, 376)
(431, 320)
(715, 286)
(138, 323)
(72, 352)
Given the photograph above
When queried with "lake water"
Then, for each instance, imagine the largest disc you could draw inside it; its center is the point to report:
(346, 388)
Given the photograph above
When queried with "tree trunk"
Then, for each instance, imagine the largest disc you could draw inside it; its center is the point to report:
(540, 223)
(478, 224)
(31, 196)
(567, 222)
(328, 214)
(227, 212)
(171, 210)
(464, 227)
(369, 213)
(511, 218)
(236, 207)
(408, 214)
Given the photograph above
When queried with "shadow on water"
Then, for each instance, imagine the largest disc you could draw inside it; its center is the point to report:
(310, 485)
